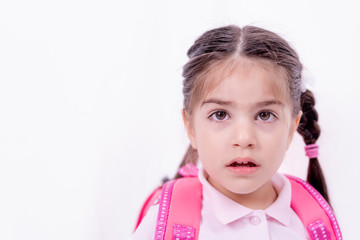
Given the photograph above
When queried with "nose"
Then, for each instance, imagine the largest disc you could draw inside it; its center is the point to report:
(244, 135)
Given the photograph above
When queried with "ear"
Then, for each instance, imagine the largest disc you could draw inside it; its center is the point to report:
(189, 129)
(293, 127)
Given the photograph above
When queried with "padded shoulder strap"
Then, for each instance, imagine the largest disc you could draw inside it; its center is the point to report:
(315, 213)
(179, 210)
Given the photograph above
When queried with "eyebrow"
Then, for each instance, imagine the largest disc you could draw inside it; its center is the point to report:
(227, 103)
(216, 101)
(269, 102)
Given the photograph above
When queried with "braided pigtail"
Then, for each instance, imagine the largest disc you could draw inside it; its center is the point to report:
(191, 156)
(309, 129)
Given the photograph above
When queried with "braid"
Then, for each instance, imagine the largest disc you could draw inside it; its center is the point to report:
(191, 156)
(309, 129)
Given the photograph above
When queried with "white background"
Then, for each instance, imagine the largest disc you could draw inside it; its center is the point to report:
(90, 101)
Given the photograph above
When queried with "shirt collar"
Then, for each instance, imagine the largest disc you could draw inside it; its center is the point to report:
(281, 209)
(227, 210)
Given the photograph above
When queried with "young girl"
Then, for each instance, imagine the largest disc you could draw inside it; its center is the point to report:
(244, 98)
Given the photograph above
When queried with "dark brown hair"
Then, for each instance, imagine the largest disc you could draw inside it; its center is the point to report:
(229, 42)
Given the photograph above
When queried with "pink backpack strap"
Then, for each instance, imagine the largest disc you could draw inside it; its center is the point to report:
(181, 220)
(151, 200)
(315, 213)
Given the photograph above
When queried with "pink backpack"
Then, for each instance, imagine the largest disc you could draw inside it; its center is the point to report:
(180, 213)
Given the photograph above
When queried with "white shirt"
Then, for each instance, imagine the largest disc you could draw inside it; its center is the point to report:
(222, 218)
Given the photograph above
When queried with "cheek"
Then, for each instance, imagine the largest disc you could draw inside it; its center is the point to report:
(210, 143)
(205, 139)
(276, 142)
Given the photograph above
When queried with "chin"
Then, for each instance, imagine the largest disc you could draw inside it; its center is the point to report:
(241, 190)
(244, 191)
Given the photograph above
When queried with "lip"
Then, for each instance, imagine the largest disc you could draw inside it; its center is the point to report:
(243, 170)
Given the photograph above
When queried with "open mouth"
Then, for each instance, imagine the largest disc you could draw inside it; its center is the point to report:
(242, 164)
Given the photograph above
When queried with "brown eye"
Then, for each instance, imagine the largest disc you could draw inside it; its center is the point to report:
(219, 116)
(266, 116)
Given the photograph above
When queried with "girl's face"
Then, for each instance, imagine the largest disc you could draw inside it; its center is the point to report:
(243, 127)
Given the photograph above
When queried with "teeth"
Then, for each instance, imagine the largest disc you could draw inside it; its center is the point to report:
(242, 162)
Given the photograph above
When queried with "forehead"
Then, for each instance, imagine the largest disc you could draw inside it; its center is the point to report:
(258, 75)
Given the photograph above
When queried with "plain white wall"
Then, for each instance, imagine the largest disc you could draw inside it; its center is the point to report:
(90, 101)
